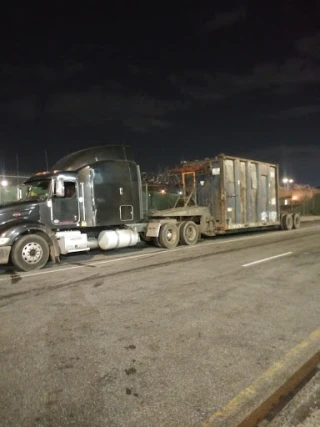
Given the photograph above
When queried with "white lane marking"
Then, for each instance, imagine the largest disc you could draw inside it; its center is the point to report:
(266, 259)
(55, 270)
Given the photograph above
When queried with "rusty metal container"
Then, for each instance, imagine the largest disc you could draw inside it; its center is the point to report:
(244, 193)
(240, 193)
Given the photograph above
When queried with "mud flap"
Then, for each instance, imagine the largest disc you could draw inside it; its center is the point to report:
(55, 251)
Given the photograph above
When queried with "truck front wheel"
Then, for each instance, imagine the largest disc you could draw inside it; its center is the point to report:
(30, 252)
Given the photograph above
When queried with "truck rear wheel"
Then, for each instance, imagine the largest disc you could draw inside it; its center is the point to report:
(169, 235)
(189, 233)
(146, 240)
(296, 221)
(156, 242)
(30, 252)
(287, 222)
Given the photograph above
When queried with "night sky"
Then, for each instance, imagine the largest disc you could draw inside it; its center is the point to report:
(174, 80)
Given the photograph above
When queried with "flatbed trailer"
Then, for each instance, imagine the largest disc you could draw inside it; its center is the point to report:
(222, 195)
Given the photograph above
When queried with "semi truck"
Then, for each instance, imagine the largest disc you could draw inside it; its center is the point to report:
(95, 199)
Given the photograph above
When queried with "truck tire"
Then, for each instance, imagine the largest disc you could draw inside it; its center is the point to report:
(287, 222)
(189, 233)
(169, 235)
(30, 252)
(146, 240)
(296, 221)
(156, 242)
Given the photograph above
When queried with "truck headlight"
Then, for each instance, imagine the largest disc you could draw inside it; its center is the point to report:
(4, 241)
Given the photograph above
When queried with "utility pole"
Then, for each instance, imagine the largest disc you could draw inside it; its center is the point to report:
(46, 160)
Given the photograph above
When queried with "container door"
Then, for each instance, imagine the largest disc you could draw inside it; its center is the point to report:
(272, 196)
(243, 192)
(230, 187)
(263, 193)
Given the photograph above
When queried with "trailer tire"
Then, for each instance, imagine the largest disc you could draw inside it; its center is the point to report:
(296, 221)
(189, 233)
(287, 222)
(169, 235)
(30, 252)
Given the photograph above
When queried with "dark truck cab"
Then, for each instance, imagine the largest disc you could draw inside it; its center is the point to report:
(88, 200)
(23, 217)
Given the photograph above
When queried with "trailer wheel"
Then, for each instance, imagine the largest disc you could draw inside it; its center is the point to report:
(287, 222)
(189, 233)
(296, 221)
(169, 235)
(30, 252)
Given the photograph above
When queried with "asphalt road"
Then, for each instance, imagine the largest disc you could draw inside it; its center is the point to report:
(149, 337)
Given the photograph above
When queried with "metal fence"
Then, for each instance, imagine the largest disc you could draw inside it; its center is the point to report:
(301, 198)
(310, 206)
(11, 187)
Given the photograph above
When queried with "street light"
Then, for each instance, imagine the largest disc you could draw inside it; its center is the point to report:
(4, 183)
(287, 182)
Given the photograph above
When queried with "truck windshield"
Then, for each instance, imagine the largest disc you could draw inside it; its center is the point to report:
(38, 190)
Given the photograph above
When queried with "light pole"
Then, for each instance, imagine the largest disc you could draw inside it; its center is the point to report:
(287, 182)
(4, 183)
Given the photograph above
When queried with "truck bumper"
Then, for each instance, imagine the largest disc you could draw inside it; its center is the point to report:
(4, 254)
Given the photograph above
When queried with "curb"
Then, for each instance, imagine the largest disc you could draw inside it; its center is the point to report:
(309, 218)
(254, 402)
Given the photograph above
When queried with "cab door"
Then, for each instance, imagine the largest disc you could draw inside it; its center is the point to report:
(65, 210)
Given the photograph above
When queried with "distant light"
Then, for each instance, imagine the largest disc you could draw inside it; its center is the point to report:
(180, 192)
(162, 191)
(4, 183)
(287, 180)
(202, 183)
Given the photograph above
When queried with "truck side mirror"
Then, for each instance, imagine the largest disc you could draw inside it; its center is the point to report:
(59, 192)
